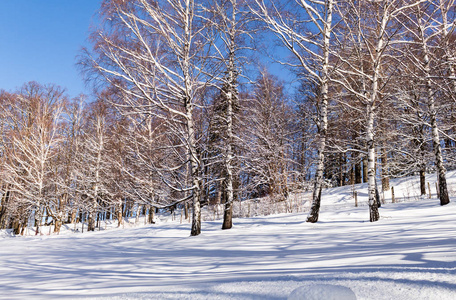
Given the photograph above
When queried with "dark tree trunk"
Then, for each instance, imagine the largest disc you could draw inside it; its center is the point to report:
(119, 214)
(352, 176)
(58, 225)
(365, 169)
(3, 209)
(377, 195)
(228, 216)
(341, 169)
(358, 178)
(423, 180)
(16, 227)
(443, 190)
(91, 222)
(314, 211)
(151, 214)
(385, 177)
(186, 210)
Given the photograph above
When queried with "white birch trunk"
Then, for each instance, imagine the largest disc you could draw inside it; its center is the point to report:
(196, 220)
(373, 208)
(168, 71)
(316, 197)
(232, 91)
(189, 106)
(371, 172)
(441, 171)
(94, 204)
(449, 56)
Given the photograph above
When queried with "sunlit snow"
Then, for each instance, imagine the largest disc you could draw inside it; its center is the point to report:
(409, 254)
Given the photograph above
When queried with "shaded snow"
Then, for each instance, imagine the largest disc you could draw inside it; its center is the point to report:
(409, 254)
(322, 291)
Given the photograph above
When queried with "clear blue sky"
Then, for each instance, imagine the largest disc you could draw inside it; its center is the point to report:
(40, 39)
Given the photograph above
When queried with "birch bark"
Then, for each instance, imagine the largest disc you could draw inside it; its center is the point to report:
(430, 97)
(313, 59)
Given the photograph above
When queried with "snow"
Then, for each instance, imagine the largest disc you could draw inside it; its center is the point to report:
(409, 254)
(322, 291)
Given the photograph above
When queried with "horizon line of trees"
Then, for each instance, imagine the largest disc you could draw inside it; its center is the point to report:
(177, 122)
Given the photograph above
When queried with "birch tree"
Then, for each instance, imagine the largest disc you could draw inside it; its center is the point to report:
(69, 162)
(445, 26)
(154, 53)
(230, 20)
(34, 121)
(409, 136)
(267, 147)
(148, 151)
(305, 28)
(424, 28)
(94, 161)
(371, 29)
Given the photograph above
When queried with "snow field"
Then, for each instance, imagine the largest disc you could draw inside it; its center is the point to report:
(409, 254)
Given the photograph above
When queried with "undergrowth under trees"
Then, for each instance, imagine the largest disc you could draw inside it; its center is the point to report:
(186, 115)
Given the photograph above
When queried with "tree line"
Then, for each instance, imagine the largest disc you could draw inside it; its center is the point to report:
(185, 114)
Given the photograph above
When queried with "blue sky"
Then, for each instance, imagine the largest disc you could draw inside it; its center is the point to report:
(40, 39)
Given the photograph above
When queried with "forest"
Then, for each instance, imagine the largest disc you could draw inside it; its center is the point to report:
(186, 112)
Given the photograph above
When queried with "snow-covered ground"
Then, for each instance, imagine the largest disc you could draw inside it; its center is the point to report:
(409, 254)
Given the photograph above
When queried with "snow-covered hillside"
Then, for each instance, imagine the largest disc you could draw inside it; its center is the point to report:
(409, 254)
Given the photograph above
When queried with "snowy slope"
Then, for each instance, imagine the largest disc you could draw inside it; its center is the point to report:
(409, 254)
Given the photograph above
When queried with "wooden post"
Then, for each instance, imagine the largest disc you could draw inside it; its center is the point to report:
(393, 199)
(356, 199)
(429, 188)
